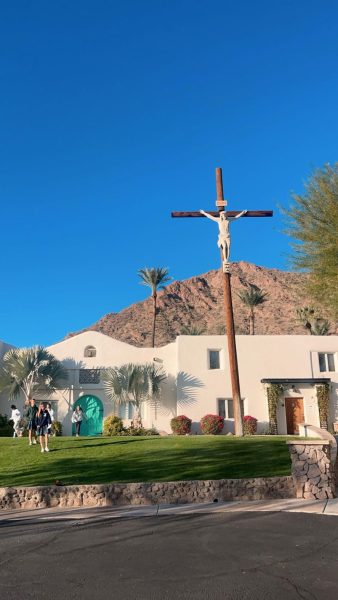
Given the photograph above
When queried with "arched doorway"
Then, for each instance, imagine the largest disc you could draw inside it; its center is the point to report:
(93, 409)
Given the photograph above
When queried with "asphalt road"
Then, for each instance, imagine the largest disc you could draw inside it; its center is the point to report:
(246, 556)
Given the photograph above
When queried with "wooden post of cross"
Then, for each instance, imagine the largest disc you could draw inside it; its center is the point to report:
(225, 271)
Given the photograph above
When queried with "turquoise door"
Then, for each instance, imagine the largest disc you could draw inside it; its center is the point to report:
(93, 410)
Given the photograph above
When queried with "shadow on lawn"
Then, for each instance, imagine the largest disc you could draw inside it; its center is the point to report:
(80, 445)
(214, 461)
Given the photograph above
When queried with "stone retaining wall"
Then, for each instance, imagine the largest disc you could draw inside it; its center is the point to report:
(313, 477)
(313, 469)
(173, 492)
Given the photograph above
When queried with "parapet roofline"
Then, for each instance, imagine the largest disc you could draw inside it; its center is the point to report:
(299, 380)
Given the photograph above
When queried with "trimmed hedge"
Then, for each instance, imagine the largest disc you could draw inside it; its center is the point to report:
(212, 424)
(180, 425)
(249, 425)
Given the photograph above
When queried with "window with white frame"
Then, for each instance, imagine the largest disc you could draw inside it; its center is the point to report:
(225, 407)
(326, 361)
(214, 359)
(127, 410)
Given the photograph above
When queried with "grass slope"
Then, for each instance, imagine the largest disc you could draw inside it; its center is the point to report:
(102, 460)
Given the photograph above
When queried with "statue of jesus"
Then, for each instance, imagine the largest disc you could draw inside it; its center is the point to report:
(224, 231)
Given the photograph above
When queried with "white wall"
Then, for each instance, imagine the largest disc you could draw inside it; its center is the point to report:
(112, 353)
(259, 357)
(192, 388)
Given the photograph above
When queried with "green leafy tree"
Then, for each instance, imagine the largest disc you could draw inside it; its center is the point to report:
(252, 297)
(134, 383)
(155, 278)
(29, 371)
(312, 221)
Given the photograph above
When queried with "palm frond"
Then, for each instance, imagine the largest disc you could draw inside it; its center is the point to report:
(135, 383)
(154, 277)
(252, 296)
(30, 370)
(321, 327)
(192, 330)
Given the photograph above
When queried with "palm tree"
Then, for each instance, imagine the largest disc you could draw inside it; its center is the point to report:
(134, 383)
(310, 318)
(252, 297)
(321, 327)
(155, 278)
(306, 316)
(30, 371)
(192, 330)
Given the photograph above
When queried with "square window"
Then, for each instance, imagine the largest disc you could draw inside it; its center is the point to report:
(126, 410)
(326, 361)
(214, 359)
(225, 407)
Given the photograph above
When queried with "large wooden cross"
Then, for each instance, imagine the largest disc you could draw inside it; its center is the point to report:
(229, 317)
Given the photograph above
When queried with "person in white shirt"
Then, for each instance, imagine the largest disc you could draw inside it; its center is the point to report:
(51, 412)
(16, 418)
(77, 417)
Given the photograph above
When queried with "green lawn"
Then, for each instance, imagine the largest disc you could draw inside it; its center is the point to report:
(102, 460)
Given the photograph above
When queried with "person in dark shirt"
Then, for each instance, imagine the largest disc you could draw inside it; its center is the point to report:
(30, 414)
(43, 423)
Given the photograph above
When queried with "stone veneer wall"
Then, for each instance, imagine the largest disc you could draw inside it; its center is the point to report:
(173, 492)
(312, 469)
(313, 477)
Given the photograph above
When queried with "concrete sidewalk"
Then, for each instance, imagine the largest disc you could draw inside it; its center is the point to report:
(323, 507)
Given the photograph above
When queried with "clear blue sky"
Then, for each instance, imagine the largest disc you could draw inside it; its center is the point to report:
(113, 114)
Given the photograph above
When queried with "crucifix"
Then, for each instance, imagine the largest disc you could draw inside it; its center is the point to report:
(223, 218)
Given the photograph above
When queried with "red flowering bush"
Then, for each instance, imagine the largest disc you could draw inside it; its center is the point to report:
(212, 424)
(249, 425)
(180, 425)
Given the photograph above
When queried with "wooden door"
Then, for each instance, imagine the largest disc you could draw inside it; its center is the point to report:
(294, 410)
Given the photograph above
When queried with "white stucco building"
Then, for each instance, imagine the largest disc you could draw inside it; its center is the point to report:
(198, 379)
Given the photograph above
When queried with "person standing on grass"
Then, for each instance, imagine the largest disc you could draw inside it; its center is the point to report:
(31, 413)
(77, 418)
(43, 422)
(16, 417)
(51, 412)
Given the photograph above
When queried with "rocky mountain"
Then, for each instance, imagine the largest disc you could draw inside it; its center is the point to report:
(198, 301)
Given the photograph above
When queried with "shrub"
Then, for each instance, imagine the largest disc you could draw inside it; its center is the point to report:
(151, 431)
(137, 431)
(57, 428)
(249, 425)
(212, 424)
(113, 426)
(6, 429)
(180, 425)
